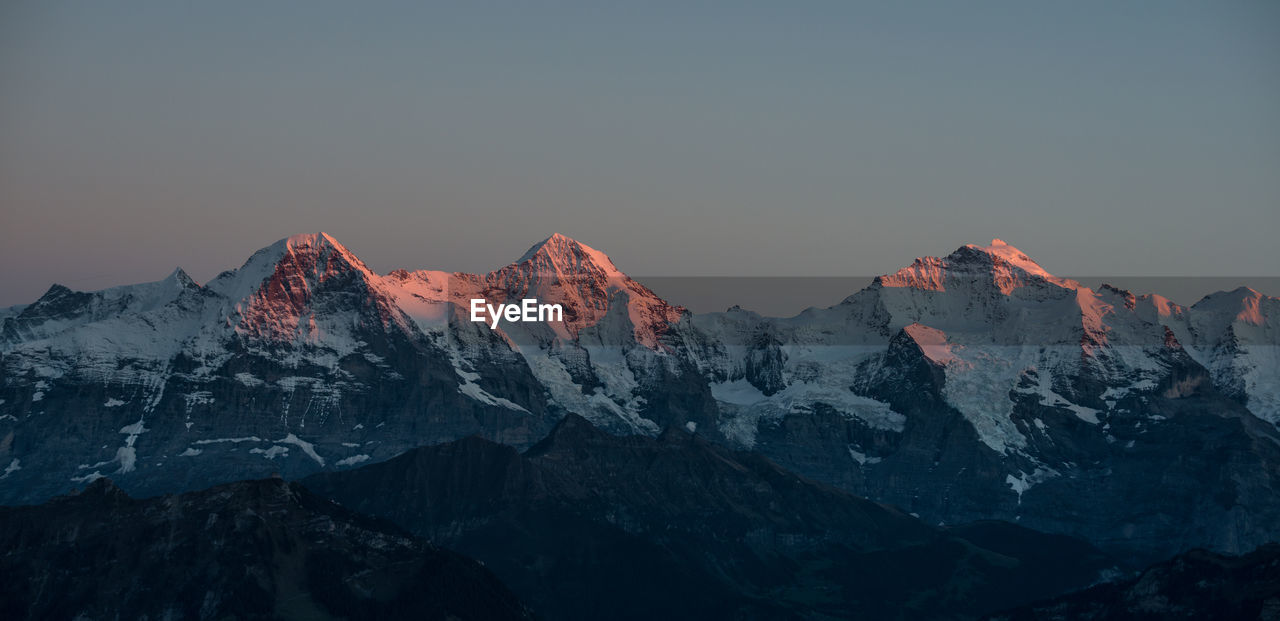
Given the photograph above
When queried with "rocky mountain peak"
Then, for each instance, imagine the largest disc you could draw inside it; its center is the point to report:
(564, 254)
(589, 287)
(999, 263)
(571, 431)
(181, 280)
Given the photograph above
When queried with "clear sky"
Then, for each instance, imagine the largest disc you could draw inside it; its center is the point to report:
(682, 138)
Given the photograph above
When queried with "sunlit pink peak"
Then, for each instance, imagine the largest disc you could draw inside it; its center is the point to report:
(1247, 304)
(317, 241)
(1000, 248)
(1009, 268)
(564, 253)
(1163, 307)
(1229, 298)
(320, 243)
(309, 252)
(311, 239)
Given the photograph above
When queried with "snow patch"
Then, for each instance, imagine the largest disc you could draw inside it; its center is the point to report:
(197, 398)
(88, 478)
(1049, 398)
(128, 458)
(932, 343)
(353, 460)
(861, 457)
(13, 466)
(127, 455)
(306, 447)
(1023, 482)
(739, 392)
(273, 452)
(474, 391)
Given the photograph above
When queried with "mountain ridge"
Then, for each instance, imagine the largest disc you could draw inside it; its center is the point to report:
(979, 372)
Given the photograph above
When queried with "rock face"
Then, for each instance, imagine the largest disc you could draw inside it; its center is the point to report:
(254, 549)
(1195, 585)
(972, 386)
(586, 525)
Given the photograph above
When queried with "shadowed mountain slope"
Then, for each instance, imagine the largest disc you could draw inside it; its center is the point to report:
(585, 524)
(248, 550)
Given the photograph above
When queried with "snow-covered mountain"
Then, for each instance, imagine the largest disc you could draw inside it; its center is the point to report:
(995, 323)
(980, 385)
(304, 358)
(974, 385)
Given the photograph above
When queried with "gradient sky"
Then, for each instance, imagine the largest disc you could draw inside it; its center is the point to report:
(682, 138)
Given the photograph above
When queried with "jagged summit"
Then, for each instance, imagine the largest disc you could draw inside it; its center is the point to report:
(310, 255)
(322, 245)
(1006, 266)
(56, 290)
(565, 254)
(312, 239)
(1005, 252)
(181, 278)
(304, 243)
(571, 431)
(588, 285)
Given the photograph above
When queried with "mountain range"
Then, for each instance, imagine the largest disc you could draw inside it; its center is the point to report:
(975, 386)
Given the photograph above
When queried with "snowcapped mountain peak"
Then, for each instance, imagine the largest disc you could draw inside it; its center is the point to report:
(315, 252)
(181, 280)
(562, 254)
(1002, 264)
(587, 284)
(303, 240)
(1156, 308)
(291, 290)
(324, 245)
(1243, 304)
(1235, 298)
(1008, 255)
